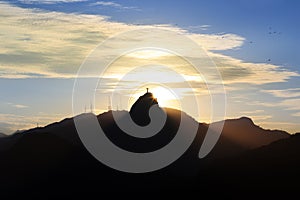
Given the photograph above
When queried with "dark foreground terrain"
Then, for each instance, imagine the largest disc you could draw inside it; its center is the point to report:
(248, 162)
(52, 162)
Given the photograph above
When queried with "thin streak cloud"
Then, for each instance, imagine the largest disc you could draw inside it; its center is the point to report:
(113, 5)
(286, 93)
(49, 1)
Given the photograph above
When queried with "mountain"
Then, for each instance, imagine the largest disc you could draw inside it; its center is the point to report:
(52, 161)
(244, 132)
(276, 155)
(2, 135)
(139, 111)
(271, 171)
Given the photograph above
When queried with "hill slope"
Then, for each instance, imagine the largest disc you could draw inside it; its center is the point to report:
(53, 157)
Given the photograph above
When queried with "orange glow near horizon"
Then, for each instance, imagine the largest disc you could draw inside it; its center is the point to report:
(165, 97)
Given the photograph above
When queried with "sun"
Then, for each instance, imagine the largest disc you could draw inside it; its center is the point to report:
(165, 97)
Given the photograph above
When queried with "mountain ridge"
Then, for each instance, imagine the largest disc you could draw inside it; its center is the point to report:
(226, 120)
(2, 135)
(52, 160)
(63, 127)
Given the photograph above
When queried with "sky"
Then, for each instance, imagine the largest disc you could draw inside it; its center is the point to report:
(254, 45)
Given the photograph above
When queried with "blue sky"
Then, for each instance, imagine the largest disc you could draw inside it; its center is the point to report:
(36, 80)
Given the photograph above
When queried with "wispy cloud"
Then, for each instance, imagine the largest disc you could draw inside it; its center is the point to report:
(286, 93)
(17, 105)
(113, 5)
(260, 118)
(291, 104)
(20, 106)
(9, 123)
(218, 41)
(285, 104)
(252, 112)
(203, 27)
(281, 125)
(296, 114)
(49, 1)
(237, 71)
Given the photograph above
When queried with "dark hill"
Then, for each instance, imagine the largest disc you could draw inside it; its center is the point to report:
(51, 160)
(271, 171)
(139, 111)
(2, 135)
(244, 132)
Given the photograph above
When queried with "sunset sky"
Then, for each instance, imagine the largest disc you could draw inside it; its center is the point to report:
(254, 44)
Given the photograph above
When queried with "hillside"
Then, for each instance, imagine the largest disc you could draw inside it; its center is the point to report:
(51, 160)
(54, 154)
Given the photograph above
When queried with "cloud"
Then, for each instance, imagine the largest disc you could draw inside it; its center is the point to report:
(290, 104)
(17, 105)
(286, 93)
(54, 44)
(253, 112)
(113, 5)
(20, 106)
(41, 44)
(296, 114)
(218, 41)
(49, 1)
(291, 127)
(203, 27)
(9, 123)
(286, 104)
(260, 118)
(237, 71)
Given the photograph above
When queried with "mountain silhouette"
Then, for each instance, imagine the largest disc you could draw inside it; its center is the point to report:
(139, 111)
(2, 135)
(52, 161)
(244, 132)
(271, 170)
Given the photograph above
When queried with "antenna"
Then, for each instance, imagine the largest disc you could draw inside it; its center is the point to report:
(91, 107)
(109, 103)
(120, 101)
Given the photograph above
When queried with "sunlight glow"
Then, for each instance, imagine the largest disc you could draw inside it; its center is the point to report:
(164, 96)
(147, 54)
